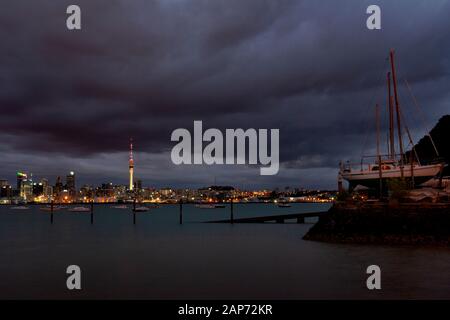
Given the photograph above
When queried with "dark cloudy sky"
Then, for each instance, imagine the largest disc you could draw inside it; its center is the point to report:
(142, 68)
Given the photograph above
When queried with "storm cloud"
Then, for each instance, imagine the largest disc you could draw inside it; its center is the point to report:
(70, 100)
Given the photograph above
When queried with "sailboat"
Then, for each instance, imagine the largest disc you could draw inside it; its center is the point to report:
(392, 165)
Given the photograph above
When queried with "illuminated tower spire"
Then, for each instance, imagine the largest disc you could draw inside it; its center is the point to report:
(131, 165)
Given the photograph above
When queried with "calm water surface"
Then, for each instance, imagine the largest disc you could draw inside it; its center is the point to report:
(159, 259)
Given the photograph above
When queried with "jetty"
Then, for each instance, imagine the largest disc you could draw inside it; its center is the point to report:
(280, 218)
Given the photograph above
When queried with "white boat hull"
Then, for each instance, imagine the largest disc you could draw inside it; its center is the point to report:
(370, 178)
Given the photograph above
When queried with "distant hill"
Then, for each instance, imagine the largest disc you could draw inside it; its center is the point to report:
(218, 188)
(441, 137)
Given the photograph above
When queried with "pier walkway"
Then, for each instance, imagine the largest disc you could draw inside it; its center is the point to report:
(299, 217)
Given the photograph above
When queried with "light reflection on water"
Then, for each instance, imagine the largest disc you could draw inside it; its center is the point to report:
(157, 258)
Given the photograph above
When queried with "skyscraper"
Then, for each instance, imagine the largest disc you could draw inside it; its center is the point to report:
(26, 189)
(58, 186)
(70, 183)
(131, 166)
(20, 177)
(47, 190)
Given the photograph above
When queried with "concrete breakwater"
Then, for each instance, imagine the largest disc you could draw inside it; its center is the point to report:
(381, 223)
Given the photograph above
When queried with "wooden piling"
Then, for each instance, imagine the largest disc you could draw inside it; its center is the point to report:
(92, 212)
(231, 211)
(134, 210)
(181, 211)
(51, 212)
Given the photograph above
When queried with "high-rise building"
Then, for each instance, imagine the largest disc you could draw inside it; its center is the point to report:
(47, 190)
(5, 189)
(20, 177)
(70, 183)
(58, 186)
(26, 189)
(131, 166)
(38, 189)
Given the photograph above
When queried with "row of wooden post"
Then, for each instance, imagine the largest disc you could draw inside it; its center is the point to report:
(134, 212)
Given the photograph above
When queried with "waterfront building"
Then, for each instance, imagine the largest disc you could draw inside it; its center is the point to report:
(64, 196)
(217, 193)
(166, 192)
(120, 192)
(105, 191)
(87, 193)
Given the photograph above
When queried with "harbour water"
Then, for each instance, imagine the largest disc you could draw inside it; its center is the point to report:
(157, 258)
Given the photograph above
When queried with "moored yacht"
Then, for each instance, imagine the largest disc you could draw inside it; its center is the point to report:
(120, 206)
(50, 209)
(79, 209)
(205, 206)
(20, 208)
(141, 209)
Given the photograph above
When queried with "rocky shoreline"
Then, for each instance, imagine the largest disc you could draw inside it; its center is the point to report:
(383, 223)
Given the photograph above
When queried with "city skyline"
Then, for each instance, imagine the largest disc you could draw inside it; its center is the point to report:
(224, 157)
(29, 189)
(297, 66)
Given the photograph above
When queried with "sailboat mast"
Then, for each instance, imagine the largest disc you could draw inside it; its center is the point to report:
(397, 109)
(380, 173)
(377, 119)
(391, 119)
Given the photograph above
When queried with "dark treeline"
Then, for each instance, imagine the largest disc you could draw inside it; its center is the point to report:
(441, 137)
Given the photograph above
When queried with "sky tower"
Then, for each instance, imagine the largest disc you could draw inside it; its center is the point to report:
(131, 165)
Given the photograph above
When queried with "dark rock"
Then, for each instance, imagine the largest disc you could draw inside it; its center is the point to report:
(402, 224)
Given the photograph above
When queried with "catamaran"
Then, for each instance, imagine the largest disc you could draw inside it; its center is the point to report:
(391, 166)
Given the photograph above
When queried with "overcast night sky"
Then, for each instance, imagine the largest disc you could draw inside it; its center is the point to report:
(70, 100)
